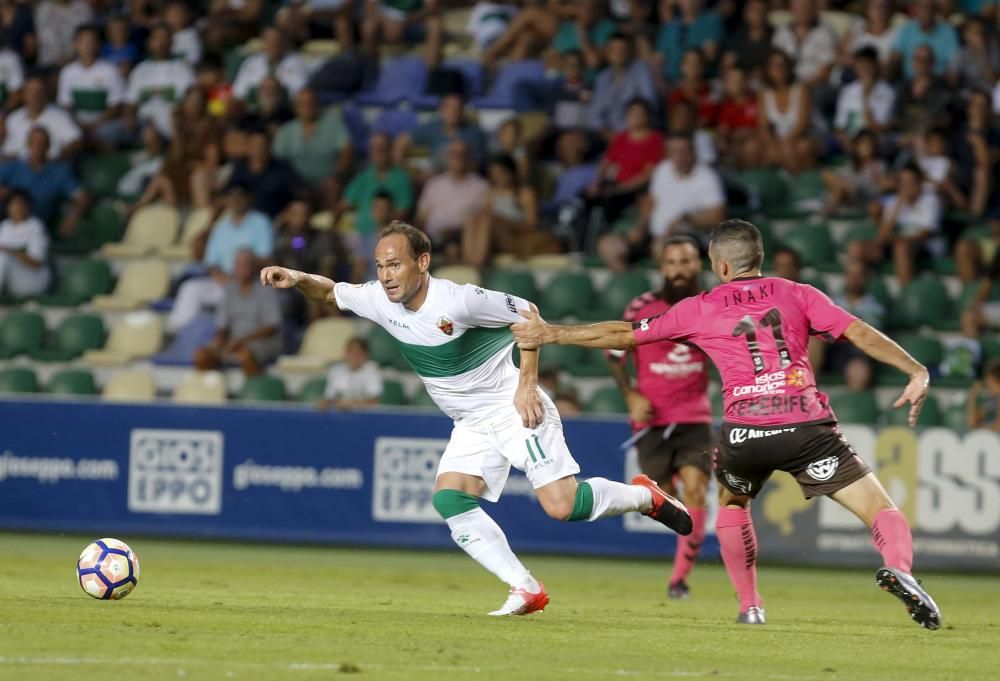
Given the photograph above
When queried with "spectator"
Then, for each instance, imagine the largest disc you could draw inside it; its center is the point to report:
(979, 57)
(749, 47)
(810, 43)
(11, 79)
(436, 134)
(248, 323)
(587, 34)
(567, 404)
(119, 48)
(623, 80)
(923, 101)
(144, 164)
(875, 30)
(692, 87)
(508, 222)
(857, 298)
(962, 355)
(302, 21)
(355, 382)
(628, 163)
(684, 122)
(684, 195)
(276, 60)
(910, 219)
(933, 154)
(975, 145)
(237, 229)
(50, 184)
(381, 175)
(17, 29)
(736, 129)
(510, 141)
(315, 142)
(450, 199)
(786, 263)
(565, 97)
(786, 123)
(859, 182)
(56, 22)
(24, 247)
(91, 88)
(231, 22)
(64, 135)
(865, 104)
(186, 43)
(270, 109)
(687, 26)
(985, 307)
(391, 22)
(926, 28)
(531, 31)
(270, 181)
(155, 84)
(210, 78)
(858, 374)
(985, 413)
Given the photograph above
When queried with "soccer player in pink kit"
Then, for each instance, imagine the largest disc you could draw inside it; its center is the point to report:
(756, 331)
(669, 404)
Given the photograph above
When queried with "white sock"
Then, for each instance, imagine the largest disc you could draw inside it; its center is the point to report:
(480, 537)
(616, 498)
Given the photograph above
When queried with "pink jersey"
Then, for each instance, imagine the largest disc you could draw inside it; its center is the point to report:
(756, 330)
(672, 376)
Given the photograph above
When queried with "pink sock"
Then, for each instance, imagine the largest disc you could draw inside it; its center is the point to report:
(738, 542)
(689, 546)
(891, 536)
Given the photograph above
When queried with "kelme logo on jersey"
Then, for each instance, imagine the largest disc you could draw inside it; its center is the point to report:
(447, 328)
(823, 469)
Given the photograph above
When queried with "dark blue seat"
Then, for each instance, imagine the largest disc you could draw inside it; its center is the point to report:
(501, 95)
(571, 184)
(395, 121)
(402, 79)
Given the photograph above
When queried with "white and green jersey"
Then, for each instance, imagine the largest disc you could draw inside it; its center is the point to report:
(459, 342)
(89, 91)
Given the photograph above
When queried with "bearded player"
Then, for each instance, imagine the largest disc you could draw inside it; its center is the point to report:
(457, 338)
(669, 408)
(756, 331)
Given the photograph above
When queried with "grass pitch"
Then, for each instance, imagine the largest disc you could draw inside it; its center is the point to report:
(205, 611)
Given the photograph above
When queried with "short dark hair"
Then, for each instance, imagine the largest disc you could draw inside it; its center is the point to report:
(796, 256)
(420, 243)
(88, 28)
(382, 194)
(913, 167)
(681, 239)
(739, 242)
(639, 101)
(867, 53)
(20, 194)
(618, 35)
(360, 342)
(505, 161)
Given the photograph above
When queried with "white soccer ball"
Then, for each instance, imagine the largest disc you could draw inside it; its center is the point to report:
(108, 569)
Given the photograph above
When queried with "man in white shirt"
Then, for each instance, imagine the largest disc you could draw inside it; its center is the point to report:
(186, 44)
(355, 382)
(810, 42)
(65, 137)
(865, 104)
(11, 79)
(91, 88)
(684, 197)
(156, 84)
(24, 247)
(275, 60)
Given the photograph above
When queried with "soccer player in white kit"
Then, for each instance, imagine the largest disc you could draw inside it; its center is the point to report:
(457, 339)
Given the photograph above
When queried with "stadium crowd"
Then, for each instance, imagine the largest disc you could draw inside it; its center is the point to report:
(862, 137)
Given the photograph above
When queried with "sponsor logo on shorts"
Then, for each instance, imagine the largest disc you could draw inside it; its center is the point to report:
(738, 484)
(446, 326)
(738, 436)
(175, 471)
(823, 469)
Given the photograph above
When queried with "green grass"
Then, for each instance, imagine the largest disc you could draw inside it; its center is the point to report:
(204, 611)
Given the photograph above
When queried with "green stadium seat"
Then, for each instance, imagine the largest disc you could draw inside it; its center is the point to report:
(561, 357)
(592, 364)
(607, 400)
(313, 390)
(566, 294)
(79, 283)
(20, 333)
(75, 335)
(812, 242)
(863, 231)
(806, 186)
(926, 350)
(954, 417)
(991, 349)
(515, 282)
(263, 389)
(615, 296)
(766, 187)
(384, 350)
(879, 289)
(101, 173)
(72, 382)
(393, 394)
(855, 407)
(18, 380)
(104, 224)
(922, 301)
(930, 415)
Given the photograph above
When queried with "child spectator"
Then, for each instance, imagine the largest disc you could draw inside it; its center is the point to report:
(859, 182)
(355, 382)
(24, 248)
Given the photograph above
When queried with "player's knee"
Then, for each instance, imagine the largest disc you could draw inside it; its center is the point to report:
(450, 502)
(558, 509)
(694, 496)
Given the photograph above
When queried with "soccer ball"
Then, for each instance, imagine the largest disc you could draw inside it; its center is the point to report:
(108, 569)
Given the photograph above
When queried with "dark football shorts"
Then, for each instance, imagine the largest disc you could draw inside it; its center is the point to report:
(818, 456)
(689, 444)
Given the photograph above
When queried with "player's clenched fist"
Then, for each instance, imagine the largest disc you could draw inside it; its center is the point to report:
(530, 333)
(279, 277)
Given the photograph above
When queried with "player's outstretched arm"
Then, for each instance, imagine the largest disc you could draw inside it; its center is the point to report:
(878, 346)
(312, 286)
(535, 332)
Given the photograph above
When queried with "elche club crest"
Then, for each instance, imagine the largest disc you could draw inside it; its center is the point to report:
(446, 326)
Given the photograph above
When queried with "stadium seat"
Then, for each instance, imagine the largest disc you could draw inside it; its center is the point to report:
(201, 387)
(20, 333)
(954, 418)
(765, 186)
(384, 349)
(392, 394)
(593, 363)
(130, 386)
(863, 231)
(566, 294)
(80, 282)
(72, 382)
(400, 79)
(570, 185)
(518, 283)
(263, 389)
(100, 173)
(930, 415)
(806, 186)
(855, 407)
(607, 400)
(925, 349)
(75, 335)
(922, 301)
(137, 335)
(140, 283)
(615, 296)
(460, 274)
(510, 75)
(812, 243)
(150, 228)
(991, 349)
(561, 357)
(197, 223)
(313, 390)
(18, 380)
(549, 261)
(324, 344)
(396, 121)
